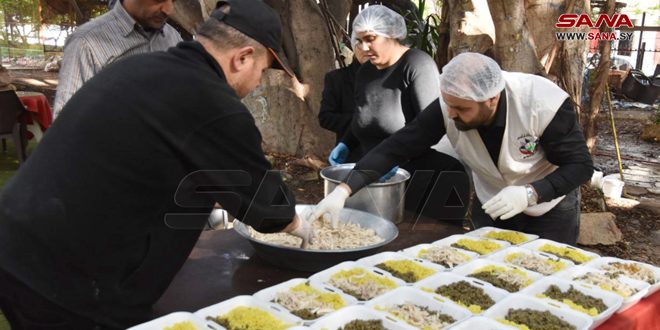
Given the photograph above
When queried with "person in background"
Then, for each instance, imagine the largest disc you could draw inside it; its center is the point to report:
(518, 133)
(392, 89)
(130, 27)
(338, 102)
(96, 224)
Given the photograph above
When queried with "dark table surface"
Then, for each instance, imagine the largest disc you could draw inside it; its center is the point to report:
(223, 265)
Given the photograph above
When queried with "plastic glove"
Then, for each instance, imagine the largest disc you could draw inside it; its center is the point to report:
(330, 206)
(339, 154)
(304, 230)
(508, 202)
(389, 174)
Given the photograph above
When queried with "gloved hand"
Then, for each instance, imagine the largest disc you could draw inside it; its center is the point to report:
(331, 205)
(303, 228)
(339, 154)
(389, 174)
(508, 202)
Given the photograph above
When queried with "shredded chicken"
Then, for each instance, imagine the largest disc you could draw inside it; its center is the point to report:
(361, 284)
(301, 298)
(444, 255)
(632, 270)
(345, 236)
(607, 282)
(421, 317)
(535, 263)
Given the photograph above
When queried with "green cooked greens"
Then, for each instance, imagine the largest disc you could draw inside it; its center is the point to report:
(364, 325)
(406, 276)
(537, 320)
(305, 314)
(495, 280)
(577, 297)
(466, 294)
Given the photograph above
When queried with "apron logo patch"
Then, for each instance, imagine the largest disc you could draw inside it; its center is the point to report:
(528, 144)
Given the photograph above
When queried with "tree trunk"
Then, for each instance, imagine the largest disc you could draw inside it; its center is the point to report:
(599, 86)
(470, 27)
(339, 9)
(284, 109)
(514, 45)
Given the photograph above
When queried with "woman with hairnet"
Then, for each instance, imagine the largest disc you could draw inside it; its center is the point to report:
(393, 88)
(518, 134)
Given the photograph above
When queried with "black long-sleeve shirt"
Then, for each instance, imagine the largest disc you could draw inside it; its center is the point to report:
(387, 99)
(338, 102)
(109, 205)
(562, 141)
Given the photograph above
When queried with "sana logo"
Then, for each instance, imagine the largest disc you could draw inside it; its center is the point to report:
(528, 144)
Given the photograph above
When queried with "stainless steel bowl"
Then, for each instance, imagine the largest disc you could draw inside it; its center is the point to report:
(316, 260)
(382, 198)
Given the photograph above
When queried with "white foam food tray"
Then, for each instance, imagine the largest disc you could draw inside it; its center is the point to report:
(519, 301)
(270, 293)
(603, 261)
(323, 277)
(432, 283)
(474, 266)
(376, 259)
(170, 320)
(642, 287)
(415, 251)
(611, 300)
(448, 241)
(502, 255)
(338, 319)
(481, 323)
(483, 231)
(226, 306)
(537, 244)
(412, 295)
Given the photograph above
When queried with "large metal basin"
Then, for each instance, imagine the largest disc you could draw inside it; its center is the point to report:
(316, 260)
(385, 199)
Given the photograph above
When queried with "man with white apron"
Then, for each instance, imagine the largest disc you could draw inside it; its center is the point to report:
(518, 134)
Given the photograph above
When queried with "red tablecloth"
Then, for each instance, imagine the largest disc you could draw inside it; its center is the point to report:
(645, 315)
(38, 107)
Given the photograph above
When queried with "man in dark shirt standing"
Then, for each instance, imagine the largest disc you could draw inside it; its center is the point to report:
(517, 133)
(107, 209)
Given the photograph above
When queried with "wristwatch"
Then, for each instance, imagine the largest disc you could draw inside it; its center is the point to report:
(532, 196)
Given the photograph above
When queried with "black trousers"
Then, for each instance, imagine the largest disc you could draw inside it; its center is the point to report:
(438, 188)
(27, 310)
(561, 224)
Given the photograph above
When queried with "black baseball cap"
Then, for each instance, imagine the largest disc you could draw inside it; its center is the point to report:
(258, 21)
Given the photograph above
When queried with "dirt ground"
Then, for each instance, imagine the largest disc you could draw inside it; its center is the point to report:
(641, 162)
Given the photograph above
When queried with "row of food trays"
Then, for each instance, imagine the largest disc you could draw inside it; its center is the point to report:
(486, 279)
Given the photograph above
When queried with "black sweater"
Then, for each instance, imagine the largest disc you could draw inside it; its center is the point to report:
(104, 213)
(387, 99)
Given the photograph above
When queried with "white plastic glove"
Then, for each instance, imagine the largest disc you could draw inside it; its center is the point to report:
(508, 202)
(303, 229)
(331, 205)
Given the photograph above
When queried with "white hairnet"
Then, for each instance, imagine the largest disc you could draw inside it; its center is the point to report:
(380, 20)
(472, 76)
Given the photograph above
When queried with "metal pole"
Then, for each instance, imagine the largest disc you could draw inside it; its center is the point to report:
(640, 52)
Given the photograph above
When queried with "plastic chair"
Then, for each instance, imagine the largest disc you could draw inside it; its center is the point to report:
(11, 109)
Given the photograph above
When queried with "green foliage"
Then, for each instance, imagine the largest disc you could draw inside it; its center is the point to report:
(423, 29)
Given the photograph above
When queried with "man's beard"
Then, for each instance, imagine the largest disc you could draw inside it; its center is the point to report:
(480, 121)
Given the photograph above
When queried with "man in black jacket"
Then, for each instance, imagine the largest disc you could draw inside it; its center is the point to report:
(105, 212)
(338, 102)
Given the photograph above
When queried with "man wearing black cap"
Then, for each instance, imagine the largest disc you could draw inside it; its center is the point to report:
(98, 221)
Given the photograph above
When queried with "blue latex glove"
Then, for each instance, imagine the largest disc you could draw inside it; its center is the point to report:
(339, 154)
(389, 174)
